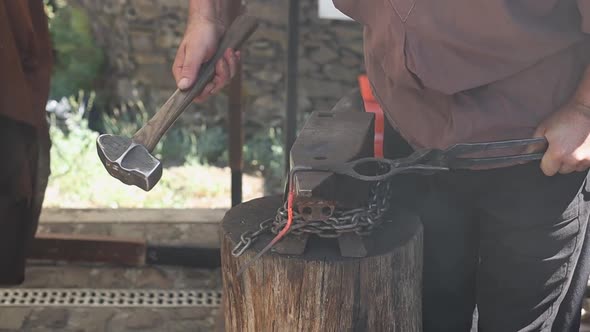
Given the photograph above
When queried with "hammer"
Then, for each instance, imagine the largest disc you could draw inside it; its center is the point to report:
(130, 159)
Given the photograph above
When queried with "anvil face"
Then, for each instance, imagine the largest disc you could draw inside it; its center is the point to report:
(128, 161)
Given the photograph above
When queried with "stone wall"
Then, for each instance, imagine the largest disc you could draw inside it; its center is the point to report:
(140, 38)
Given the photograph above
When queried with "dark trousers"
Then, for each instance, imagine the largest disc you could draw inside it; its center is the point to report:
(22, 183)
(510, 241)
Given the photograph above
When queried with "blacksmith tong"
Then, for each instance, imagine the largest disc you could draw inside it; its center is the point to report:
(429, 161)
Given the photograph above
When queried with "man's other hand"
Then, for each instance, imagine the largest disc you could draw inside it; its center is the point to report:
(198, 45)
(568, 134)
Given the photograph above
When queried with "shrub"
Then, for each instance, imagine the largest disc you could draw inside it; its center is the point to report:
(79, 179)
(178, 145)
(78, 60)
(264, 152)
(212, 145)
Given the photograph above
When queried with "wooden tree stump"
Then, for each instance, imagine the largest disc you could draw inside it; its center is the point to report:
(320, 290)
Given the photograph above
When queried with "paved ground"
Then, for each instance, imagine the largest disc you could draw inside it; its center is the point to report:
(44, 319)
(96, 319)
(113, 319)
(70, 320)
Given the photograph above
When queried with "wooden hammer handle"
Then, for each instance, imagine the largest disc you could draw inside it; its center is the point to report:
(151, 133)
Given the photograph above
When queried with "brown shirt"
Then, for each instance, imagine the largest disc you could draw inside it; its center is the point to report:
(25, 62)
(451, 71)
(25, 67)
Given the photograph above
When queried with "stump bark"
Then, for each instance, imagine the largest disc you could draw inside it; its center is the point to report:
(320, 290)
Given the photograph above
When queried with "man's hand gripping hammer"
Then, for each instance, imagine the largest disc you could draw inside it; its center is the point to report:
(130, 159)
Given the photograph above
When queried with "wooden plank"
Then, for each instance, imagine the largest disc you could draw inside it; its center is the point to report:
(122, 251)
(86, 248)
(125, 215)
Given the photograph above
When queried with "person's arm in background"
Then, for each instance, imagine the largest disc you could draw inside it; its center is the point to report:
(207, 22)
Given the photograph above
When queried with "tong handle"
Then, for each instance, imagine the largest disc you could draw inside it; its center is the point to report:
(455, 162)
(470, 163)
(465, 148)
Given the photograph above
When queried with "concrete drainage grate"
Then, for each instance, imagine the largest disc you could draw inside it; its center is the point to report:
(108, 297)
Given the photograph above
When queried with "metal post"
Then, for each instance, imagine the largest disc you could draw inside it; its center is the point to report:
(235, 135)
(236, 138)
(291, 86)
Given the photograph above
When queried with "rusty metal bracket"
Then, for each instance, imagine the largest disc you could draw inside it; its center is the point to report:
(315, 209)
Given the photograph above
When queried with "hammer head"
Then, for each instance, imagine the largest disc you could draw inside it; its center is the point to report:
(128, 161)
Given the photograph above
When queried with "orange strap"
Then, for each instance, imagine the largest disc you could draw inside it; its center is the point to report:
(371, 105)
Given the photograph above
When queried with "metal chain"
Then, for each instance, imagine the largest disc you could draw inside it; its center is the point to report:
(361, 221)
(249, 237)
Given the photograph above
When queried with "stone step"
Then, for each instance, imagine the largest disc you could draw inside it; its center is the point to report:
(205, 235)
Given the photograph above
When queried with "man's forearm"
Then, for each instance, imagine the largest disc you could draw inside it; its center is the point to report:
(215, 11)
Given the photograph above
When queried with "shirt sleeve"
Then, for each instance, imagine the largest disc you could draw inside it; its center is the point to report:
(584, 7)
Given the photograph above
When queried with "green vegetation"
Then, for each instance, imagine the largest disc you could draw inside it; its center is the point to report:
(176, 147)
(264, 152)
(78, 60)
(79, 180)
